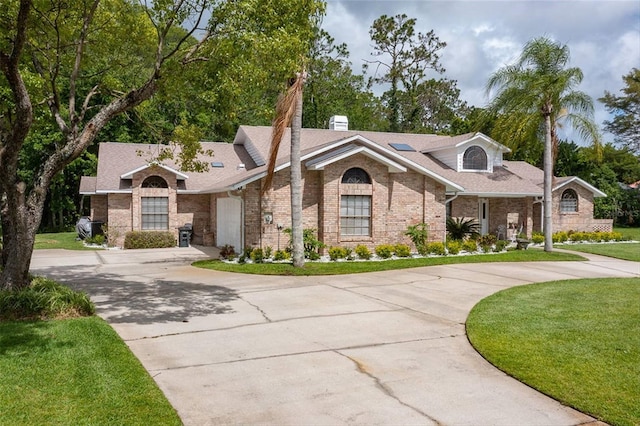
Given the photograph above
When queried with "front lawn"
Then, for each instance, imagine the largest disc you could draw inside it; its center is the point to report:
(577, 341)
(628, 233)
(74, 371)
(626, 251)
(354, 267)
(60, 240)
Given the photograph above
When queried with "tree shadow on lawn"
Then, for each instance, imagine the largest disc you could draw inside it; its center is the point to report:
(146, 302)
(18, 338)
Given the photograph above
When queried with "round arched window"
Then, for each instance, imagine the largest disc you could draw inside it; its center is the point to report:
(474, 159)
(154, 182)
(356, 175)
(569, 201)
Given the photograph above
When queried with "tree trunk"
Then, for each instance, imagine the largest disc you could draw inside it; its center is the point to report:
(548, 182)
(296, 188)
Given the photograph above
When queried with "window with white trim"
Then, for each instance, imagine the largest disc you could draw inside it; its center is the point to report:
(155, 213)
(355, 215)
(569, 201)
(474, 158)
(154, 182)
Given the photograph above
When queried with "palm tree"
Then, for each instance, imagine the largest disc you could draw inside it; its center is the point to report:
(289, 113)
(535, 96)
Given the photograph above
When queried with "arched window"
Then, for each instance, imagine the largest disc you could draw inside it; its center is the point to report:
(569, 201)
(474, 159)
(356, 175)
(154, 182)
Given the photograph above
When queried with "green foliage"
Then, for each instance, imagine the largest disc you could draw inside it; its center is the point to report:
(384, 251)
(268, 251)
(257, 255)
(336, 253)
(487, 242)
(227, 252)
(436, 248)
(149, 239)
(363, 252)
(419, 235)
(44, 299)
(560, 237)
(460, 228)
(454, 247)
(470, 246)
(625, 110)
(402, 250)
(537, 238)
(500, 245)
(311, 244)
(281, 255)
(97, 239)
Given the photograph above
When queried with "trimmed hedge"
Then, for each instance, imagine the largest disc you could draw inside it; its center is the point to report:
(149, 239)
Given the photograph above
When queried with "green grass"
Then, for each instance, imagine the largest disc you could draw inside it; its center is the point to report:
(338, 268)
(626, 251)
(577, 341)
(75, 371)
(60, 240)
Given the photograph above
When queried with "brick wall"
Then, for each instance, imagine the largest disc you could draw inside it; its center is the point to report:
(119, 219)
(99, 208)
(582, 220)
(195, 209)
(398, 200)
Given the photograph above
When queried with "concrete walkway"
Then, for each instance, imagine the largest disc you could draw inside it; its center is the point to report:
(378, 348)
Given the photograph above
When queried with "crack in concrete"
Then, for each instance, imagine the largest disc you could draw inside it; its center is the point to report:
(386, 389)
(317, 351)
(263, 313)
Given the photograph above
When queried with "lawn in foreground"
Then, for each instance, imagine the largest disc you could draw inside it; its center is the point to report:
(354, 267)
(577, 341)
(75, 371)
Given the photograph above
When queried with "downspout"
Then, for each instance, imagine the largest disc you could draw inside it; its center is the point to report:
(241, 199)
(445, 218)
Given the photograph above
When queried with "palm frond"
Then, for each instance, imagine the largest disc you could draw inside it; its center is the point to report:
(285, 110)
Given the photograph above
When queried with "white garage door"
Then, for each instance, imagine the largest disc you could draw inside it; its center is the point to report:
(229, 223)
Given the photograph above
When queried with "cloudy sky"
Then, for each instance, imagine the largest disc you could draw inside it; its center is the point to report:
(482, 36)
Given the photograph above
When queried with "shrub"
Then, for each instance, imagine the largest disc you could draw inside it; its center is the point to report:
(281, 255)
(453, 247)
(487, 240)
(227, 252)
(470, 246)
(578, 236)
(43, 299)
(363, 252)
(402, 250)
(337, 252)
(537, 238)
(257, 255)
(418, 234)
(500, 245)
(97, 239)
(560, 237)
(384, 251)
(268, 251)
(458, 228)
(311, 244)
(436, 248)
(149, 239)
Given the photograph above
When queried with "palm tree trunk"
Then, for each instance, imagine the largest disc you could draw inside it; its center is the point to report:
(296, 187)
(548, 182)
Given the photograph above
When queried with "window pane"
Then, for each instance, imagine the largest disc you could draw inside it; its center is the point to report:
(355, 215)
(155, 213)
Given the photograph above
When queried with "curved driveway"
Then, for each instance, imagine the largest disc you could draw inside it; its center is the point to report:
(377, 348)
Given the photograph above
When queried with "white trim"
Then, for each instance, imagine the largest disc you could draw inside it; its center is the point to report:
(477, 135)
(321, 162)
(596, 192)
(501, 194)
(114, 191)
(129, 175)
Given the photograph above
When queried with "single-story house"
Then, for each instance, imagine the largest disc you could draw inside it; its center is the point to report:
(359, 187)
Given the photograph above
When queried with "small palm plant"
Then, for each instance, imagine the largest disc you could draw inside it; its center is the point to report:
(460, 228)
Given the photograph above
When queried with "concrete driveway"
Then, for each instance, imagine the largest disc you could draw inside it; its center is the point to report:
(378, 348)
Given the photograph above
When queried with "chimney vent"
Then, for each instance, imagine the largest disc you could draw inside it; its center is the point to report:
(240, 166)
(339, 122)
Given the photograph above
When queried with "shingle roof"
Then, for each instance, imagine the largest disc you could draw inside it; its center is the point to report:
(252, 143)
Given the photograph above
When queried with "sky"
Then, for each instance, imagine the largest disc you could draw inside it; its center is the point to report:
(483, 36)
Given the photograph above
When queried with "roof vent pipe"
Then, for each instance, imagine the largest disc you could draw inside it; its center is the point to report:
(339, 122)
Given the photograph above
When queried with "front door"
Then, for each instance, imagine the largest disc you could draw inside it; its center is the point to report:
(483, 215)
(229, 223)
